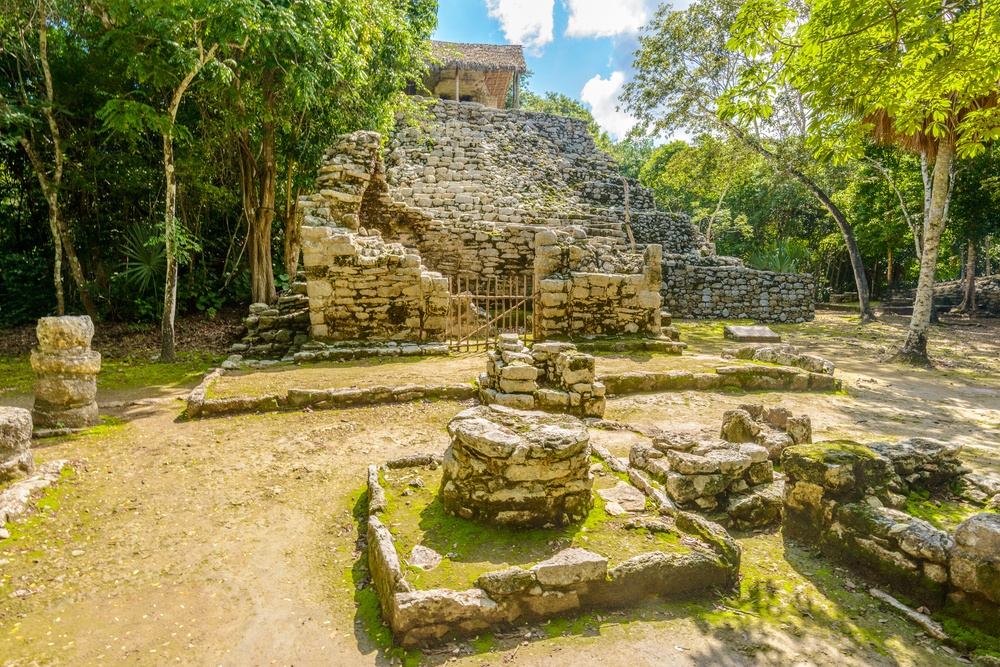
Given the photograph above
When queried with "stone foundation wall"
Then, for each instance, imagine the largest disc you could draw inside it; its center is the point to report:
(721, 288)
(846, 498)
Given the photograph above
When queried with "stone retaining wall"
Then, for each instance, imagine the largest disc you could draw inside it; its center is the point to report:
(750, 378)
(846, 498)
(199, 405)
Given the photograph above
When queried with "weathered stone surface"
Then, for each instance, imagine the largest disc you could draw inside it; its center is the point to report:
(571, 566)
(626, 496)
(446, 607)
(512, 467)
(799, 429)
(745, 334)
(60, 334)
(506, 582)
(739, 426)
(15, 443)
(760, 507)
(659, 573)
(66, 370)
(424, 558)
(975, 559)
(377, 502)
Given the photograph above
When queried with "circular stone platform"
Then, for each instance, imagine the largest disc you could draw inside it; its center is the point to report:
(513, 467)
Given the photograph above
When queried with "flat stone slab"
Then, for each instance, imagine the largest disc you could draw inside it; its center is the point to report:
(751, 334)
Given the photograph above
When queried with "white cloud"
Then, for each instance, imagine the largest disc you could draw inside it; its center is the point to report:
(527, 22)
(605, 18)
(602, 96)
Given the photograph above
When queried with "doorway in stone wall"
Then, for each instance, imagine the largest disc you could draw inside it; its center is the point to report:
(482, 308)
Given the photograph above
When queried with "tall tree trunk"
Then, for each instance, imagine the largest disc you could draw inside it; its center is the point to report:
(261, 218)
(988, 239)
(57, 270)
(888, 274)
(167, 348)
(293, 227)
(74, 267)
(261, 269)
(968, 304)
(915, 348)
(846, 230)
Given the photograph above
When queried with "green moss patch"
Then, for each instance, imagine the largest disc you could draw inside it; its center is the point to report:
(471, 549)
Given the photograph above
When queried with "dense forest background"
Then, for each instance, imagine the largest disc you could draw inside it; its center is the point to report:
(138, 134)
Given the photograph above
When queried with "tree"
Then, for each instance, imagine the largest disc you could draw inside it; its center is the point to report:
(684, 67)
(30, 115)
(342, 63)
(923, 75)
(165, 45)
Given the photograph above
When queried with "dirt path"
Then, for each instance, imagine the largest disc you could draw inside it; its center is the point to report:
(231, 541)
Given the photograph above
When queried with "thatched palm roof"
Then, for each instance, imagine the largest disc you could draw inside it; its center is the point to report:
(485, 57)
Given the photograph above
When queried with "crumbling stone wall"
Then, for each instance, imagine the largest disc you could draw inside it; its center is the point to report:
(846, 498)
(590, 289)
(360, 287)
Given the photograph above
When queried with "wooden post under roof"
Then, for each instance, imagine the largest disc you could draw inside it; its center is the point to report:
(517, 90)
(457, 96)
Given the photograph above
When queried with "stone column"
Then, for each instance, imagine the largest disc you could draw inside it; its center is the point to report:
(15, 443)
(66, 370)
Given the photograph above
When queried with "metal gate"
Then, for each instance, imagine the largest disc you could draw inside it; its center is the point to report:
(480, 309)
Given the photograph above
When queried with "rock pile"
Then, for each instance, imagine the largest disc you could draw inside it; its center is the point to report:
(553, 377)
(772, 428)
(66, 370)
(15, 443)
(921, 463)
(786, 355)
(836, 497)
(512, 467)
(278, 332)
(710, 474)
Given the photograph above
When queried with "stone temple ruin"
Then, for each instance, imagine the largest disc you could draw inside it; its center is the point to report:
(469, 193)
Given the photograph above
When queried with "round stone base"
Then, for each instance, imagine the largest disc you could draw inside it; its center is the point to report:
(62, 418)
(512, 467)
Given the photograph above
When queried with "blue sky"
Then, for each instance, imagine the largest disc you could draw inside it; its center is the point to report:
(581, 48)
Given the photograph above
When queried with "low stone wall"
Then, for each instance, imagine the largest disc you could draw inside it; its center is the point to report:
(841, 496)
(199, 405)
(722, 288)
(748, 378)
(570, 581)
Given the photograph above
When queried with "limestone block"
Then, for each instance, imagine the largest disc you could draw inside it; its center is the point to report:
(739, 426)
(15, 443)
(799, 429)
(975, 560)
(58, 334)
(506, 582)
(571, 566)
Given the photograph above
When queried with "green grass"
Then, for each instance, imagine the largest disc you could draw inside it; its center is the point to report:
(941, 513)
(116, 374)
(420, 518)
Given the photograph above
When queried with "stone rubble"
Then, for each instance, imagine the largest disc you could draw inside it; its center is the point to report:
(552, 376)
(773, 428)
(66, 370)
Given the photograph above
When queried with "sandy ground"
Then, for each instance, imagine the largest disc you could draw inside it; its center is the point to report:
(231, 541)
